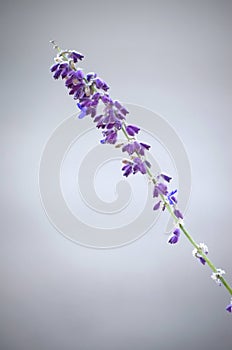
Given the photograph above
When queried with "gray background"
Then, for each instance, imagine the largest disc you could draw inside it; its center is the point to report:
(173, 57)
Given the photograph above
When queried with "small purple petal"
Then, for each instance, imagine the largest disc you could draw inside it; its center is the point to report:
(57, 73)
(176, 232)
(166, 177)
(155, 192)
(229, 308)
(173, 239)
(127, 170)
(202, 260)
(76, 56)
(144, 145)
(178, 214)
(132, 130)
(54, 67)
(162, 189)
(157, 206)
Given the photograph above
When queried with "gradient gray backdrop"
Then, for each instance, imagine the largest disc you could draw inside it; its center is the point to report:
(173, 57)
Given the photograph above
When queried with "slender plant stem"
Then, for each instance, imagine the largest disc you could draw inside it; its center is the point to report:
(177, 221)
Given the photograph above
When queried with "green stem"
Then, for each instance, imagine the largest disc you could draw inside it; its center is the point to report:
(176, 220)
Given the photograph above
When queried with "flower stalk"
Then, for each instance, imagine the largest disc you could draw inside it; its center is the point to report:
(89, 90)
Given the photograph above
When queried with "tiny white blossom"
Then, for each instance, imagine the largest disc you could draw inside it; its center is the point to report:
(194, 252)
(204, 248)
(216, 276)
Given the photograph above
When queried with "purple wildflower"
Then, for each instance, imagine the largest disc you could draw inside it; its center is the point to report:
(132, 130)
(157, 206)
(229, 307)
(171, 198)
(135, 147)
(166, 177)
(160, 188)
(91, 76)
(83, 111)
(202, 247)
(175, 236)
(127, 169)
(121, 108)
(178, 214)
(110, 137)
(75, 56)
(139, 165)
(100, 84)
(106, 99)
(54, 67)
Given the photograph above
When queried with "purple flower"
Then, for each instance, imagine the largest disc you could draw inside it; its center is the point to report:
(100, 84)
(157, 206)
(57, 73)
(110, 137)
(166, 177)
(127, 169)
(171, 198)
(136, 147)
(76, 56)
(160, 188)
(60, 69)
(54, 67)
(132, 130)
(130, 148)
(203, 248)
(139, 165)
(178, 214)
(229, 307)
(91, 76)
(175, 236)
(83, 111)
(74, 79)
(121, 108)
(106, 99)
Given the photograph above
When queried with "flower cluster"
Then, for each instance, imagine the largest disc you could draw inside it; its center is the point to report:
(134, 166)
(167, 198)
(197, 252)
(216, 276)
(90, 91)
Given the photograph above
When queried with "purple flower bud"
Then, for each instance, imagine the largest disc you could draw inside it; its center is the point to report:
(155, 192)
(172, 200)
(144, 145)
(127, 170)
(57, 73)
(229, 307)
(166, 177)
(76, 56)
(54, 67)
(157, 206)
(90, 76)
(160, 188)
(178, 214)
(173, 240)
(202, 260)
(139, 165)
(83, 111)
(106, 99)
(132, 130)
(121, 108)
(175, 237)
